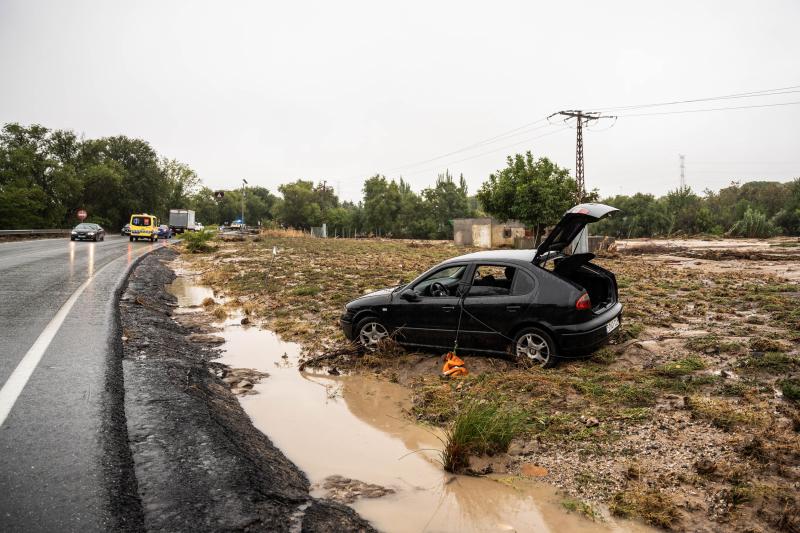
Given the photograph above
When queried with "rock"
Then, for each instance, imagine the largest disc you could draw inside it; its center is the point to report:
(516, 448)
(244, 321)
(705, 466)
(334, 371)
(203, 338)
(346, 490)
(532, 470)
(244, 384)
(592, 422)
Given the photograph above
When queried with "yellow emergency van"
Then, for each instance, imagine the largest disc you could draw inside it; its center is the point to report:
(144, 226)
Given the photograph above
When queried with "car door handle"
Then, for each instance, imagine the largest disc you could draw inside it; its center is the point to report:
(448, 308)
(513, 308)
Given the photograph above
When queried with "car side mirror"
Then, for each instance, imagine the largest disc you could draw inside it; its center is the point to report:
(409, 295)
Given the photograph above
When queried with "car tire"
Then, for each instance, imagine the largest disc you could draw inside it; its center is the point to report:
(535, 347)
(131, 239)
(72, 238)
(369, 332)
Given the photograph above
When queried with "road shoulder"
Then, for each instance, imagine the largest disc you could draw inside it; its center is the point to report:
(199, 462)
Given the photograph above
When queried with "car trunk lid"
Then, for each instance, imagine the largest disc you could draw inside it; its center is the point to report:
(570, 225)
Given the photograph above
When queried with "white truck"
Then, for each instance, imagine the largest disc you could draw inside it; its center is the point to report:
(181, 220)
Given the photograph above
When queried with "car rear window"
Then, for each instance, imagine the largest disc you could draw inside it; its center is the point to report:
(140, 221)
(523, 284)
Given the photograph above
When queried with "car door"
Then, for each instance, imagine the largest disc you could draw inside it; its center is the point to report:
(493, 310)
(430, 320)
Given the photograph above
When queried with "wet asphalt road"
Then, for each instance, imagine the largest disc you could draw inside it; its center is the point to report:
(57, 467)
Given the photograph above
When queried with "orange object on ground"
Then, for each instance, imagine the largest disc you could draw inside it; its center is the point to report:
(453, 366)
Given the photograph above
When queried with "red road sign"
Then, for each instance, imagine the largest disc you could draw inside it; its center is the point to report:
(82, 215)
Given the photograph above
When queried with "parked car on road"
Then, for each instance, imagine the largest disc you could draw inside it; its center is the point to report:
(539, 305)
(86, 231)
(164, 232)
(126, 230)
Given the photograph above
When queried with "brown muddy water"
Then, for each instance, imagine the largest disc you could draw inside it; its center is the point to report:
(355, 426)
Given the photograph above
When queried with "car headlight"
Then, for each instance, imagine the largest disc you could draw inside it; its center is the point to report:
(90, 233)
(74, 232)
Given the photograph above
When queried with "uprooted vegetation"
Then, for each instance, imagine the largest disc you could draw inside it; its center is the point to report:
(689, 420)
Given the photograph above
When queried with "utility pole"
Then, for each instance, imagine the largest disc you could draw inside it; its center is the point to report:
(581, 118)
(683, 174)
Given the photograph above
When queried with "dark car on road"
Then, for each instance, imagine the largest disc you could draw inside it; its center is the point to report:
(164, 232)
(539, 305)
(86, 231)
(126, 230)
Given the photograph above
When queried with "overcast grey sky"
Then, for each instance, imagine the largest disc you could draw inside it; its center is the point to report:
(276, 91)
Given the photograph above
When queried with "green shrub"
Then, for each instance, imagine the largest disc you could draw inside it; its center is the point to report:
(791, 389)
(198, 241)
(753, 224)
(477, 429)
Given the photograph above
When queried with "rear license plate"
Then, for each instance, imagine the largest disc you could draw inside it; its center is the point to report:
(611, 326)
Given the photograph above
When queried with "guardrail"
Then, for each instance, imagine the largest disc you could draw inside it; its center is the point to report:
(34, 231)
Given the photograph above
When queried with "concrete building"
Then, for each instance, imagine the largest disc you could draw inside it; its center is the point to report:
(486, 232)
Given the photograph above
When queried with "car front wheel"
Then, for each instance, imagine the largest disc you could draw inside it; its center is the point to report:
(370, 333)
(534, 346)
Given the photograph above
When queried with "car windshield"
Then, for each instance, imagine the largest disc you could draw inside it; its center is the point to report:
(140, 221)
(447, 277)
(86, 226)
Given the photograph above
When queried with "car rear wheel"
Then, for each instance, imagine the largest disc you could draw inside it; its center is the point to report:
(370, 333)
(533, 346)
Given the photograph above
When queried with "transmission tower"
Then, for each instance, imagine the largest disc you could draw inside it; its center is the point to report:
(683, 173)
(581, 118)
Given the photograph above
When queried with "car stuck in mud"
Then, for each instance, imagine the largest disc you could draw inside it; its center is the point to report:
(539, 305)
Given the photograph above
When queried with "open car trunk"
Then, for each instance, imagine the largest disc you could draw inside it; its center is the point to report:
(599, 283)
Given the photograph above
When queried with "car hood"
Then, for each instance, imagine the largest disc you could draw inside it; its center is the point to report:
(571, 224)
(374, 298)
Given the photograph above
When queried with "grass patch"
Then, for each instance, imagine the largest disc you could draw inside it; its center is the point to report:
(713, 344)
(723, 414)
(577, 506)
(681, 367)
(762, 344)
(791, 389)
(773, 362)
(307, 290)
(650, 505)
(479, 428)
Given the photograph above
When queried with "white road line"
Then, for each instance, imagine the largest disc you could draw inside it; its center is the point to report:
(20, 376)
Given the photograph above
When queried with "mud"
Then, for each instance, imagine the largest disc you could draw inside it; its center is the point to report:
(353, 437)
(199, 463)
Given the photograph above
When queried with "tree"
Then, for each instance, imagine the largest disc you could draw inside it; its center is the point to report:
(444, 202)
(535, 192)
(181, 183)
(304, 205)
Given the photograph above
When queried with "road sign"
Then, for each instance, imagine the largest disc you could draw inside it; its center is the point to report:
(82, 215)
(219, 194)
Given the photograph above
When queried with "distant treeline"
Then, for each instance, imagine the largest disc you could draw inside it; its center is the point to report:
(46, 176)
(752, 209)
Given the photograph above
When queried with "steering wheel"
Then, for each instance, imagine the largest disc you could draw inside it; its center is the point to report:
(438, 289)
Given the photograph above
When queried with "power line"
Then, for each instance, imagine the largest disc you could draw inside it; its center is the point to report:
(751, 94)
(510, 133)
(495, 150)
(706, 109)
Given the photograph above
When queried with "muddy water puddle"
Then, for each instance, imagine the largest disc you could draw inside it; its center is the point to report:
(354, 426)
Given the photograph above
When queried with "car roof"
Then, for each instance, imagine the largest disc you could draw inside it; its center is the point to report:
(497, 255)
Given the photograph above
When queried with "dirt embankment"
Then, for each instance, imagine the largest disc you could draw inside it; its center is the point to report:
(690, 421)
(199, 462)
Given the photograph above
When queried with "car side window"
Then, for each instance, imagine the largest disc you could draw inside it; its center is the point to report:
(442, 282)
(492, 280)
(523, 284)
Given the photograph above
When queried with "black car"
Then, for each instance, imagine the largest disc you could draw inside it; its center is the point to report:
(126, 230)
(538, 305)
(87, 232)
